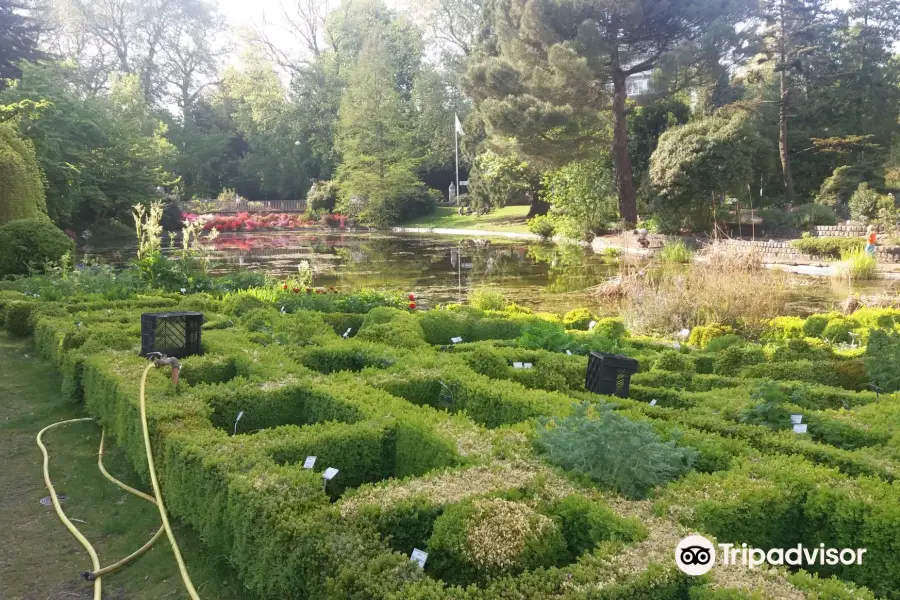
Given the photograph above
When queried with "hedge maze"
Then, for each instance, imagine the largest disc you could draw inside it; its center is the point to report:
(438, 447)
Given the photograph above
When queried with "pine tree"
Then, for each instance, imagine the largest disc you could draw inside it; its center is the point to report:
(375, 140)
(553, 73)
(18, 38)
(794, 28)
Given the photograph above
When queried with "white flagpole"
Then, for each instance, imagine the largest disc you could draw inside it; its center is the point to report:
(456, 139)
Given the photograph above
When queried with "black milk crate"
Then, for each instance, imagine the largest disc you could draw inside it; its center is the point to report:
(175, 334)
(609, 374)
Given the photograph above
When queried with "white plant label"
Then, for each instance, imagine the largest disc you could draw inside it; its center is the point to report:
(677, 346)
(800, 428)
(310, 462)
(527, 366)
(685, 333)
(329, 473)
(569, 352)
(347, 333)
(591, 325)
(796, 419)
(419, 556)
(456, 340)
(518, 365)
(653, 403)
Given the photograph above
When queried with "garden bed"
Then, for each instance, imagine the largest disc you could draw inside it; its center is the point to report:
(439, 439)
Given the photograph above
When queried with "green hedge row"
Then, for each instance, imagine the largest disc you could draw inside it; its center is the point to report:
(779, 502)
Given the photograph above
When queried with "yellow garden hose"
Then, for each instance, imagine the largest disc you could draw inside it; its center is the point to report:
(159, 501)
(97, 572)
(90, 576)
(62, 516)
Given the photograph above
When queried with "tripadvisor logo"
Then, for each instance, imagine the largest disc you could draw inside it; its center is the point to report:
(696, 555)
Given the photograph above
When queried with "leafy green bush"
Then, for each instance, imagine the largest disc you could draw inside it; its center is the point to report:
(585, 523)
(466, 547)
(808, 216)
(732, 359)
(542, 225)
(579, 318)
(612, 450)
(847, 374)
(783, 328)
(487, 299)
(883, 360)
(538, 333)
(702, 335)
(814, 325)
(718, 344)
(768, 408)
(827, 247)
(863, 204)
(671, 360)
(322, 196)
(838, 330)
(31, 243)
(21, 183)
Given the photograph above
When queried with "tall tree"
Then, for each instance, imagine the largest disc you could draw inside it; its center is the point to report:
(552, 70)
(793, 28)
(19, 33)
(375, 140)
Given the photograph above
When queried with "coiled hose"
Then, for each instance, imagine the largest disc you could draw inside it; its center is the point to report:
(97, 572)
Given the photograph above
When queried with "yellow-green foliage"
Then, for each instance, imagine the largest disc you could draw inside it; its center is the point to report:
(702, 335)
(21, 183)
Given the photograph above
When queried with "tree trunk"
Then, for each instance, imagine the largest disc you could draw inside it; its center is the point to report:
(621, 156)
(538, 206)
(783, 106)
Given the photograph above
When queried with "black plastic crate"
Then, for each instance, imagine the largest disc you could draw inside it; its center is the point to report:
(609, 374)
(175, 334)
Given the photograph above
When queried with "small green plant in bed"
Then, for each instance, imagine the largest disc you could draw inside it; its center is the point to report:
(611, 450)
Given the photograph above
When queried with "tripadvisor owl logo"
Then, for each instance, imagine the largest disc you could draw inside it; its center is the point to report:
(695, 555)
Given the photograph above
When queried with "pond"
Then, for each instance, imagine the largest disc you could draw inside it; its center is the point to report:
(443, 269)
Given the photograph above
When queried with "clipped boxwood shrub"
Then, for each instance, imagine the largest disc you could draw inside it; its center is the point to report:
(702, 335)
(579, 318)
(487, 538)
(828, 247)
(585, 523)
(29, 244)
(847, 374)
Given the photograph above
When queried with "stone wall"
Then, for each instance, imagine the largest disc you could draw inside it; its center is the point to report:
(783, 252)
(841, 231)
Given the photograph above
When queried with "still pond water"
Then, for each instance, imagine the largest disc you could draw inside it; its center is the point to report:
(444, 269)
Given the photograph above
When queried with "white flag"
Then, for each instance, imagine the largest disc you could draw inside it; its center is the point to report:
(459, 128)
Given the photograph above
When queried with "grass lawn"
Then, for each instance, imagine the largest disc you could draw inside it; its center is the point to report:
(509, 218)
(39, 558)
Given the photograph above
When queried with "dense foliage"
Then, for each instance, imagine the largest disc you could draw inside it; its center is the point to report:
(445, 451)
(29, 244)
(21, 187)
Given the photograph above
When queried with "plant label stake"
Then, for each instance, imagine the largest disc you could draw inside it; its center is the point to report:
(527, 366)
(591, 325)
(347, 333)
(569, 352)
(518, 365)
(456, 340)
(310, 462)
(796, 419)
(419, 556)
(653, 402)
(240, 414)
(800, 428)
(327, 476)
(282, 310)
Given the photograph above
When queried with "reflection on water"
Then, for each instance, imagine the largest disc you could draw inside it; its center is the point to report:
(439, 270)
(442, 270)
